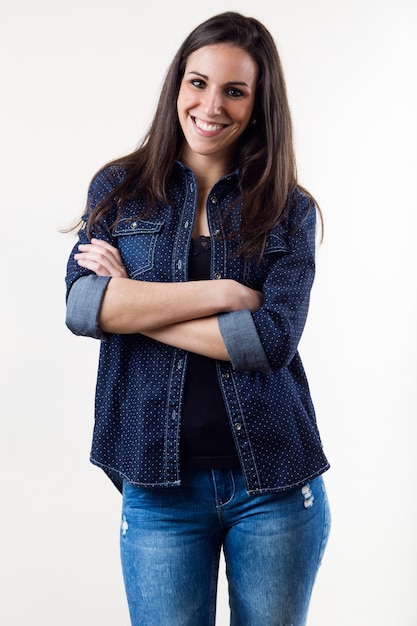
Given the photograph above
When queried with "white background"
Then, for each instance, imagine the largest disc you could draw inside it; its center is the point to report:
(79, 82)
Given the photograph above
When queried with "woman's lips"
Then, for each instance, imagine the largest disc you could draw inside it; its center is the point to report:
(207, 127)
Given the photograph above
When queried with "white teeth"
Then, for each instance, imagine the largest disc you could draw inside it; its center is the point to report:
(207, 127)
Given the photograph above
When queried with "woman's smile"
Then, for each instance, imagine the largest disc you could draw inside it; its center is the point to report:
(207, 127)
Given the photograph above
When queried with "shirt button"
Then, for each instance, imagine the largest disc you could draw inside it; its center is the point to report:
(213, 200)
(179, 264)
(134, 225)
(238, 426)
(217, 275)
(216, 232)
(186, 224)
(226, 375)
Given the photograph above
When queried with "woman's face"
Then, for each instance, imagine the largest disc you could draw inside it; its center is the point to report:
(216, 100)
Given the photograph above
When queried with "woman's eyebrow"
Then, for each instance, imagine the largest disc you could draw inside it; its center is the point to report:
(230, 82)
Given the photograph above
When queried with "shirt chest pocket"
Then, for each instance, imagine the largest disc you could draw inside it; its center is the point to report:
(136, 240)
(256, 273)
(276, 243)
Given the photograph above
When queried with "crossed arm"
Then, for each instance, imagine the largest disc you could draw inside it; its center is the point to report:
(183, 315)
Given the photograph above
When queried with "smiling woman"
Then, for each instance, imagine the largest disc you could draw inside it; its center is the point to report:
(194, 267)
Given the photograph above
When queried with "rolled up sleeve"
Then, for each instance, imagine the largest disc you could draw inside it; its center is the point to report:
(242, 342)
(83, 306)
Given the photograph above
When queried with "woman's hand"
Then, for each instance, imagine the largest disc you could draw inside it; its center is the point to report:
(240, 297)
(101, 258)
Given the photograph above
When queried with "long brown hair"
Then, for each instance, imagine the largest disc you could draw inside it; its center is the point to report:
(265, 153)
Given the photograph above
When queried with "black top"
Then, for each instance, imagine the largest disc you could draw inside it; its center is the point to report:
(207, 440)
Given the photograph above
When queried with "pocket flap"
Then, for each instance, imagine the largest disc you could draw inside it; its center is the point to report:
(137, 227)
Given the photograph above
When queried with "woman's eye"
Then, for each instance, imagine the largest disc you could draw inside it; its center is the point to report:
(197, 82)
(233, 92)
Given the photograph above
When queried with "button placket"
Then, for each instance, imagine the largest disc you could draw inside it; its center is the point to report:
(172, 419)
(240, 430)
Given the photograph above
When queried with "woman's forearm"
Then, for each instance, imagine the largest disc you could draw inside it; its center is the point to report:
(131, 306)
(201, 336)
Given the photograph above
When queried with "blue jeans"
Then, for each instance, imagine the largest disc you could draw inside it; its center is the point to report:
(171, 540)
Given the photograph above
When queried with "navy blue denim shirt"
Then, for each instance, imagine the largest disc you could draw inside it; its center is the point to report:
(140, 381)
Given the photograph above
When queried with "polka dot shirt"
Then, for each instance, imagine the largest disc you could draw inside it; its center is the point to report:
(140, 382)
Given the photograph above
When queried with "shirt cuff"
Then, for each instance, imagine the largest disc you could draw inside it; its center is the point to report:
(242, 342)
(83, 306)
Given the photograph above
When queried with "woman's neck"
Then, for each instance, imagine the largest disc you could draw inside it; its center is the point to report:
(207, 169)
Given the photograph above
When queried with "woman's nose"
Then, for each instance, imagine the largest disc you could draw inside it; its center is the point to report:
(213, 103)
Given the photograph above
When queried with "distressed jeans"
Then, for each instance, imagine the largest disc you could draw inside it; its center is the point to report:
(171, 540)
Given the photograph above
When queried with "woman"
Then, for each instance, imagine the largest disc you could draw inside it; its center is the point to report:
(194, 269)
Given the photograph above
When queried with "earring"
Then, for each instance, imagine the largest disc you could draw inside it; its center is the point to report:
(254, 121)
